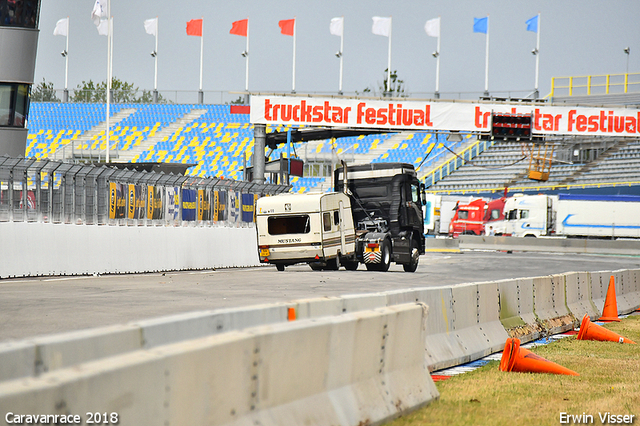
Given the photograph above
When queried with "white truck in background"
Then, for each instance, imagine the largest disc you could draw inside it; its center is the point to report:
(573, 215)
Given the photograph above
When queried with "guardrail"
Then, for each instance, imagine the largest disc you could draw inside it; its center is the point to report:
(595, 84)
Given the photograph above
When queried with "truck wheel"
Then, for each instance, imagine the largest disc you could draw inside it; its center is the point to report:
(280, 267)
(350, 265)
(415, 258)
(386, 256)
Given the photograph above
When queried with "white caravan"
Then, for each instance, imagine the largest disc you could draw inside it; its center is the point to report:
(313, 228)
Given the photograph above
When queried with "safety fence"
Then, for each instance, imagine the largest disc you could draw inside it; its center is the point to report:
(33, 190)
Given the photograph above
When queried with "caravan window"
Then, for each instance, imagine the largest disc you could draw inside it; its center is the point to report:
(289, 225)
(326, 221)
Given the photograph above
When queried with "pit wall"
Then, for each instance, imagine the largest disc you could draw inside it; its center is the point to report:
(37, 249)
(132, 367)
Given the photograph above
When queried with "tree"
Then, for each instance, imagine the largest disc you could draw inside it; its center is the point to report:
(396, 87)
(239, 101)
(86, 92)
(121, 92)
(44, 92)
(147, 98)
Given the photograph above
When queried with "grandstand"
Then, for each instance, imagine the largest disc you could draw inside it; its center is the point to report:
(221, 145)
(506, 164)
(211, 137)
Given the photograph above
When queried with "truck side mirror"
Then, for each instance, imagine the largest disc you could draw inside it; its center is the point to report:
(423, 195)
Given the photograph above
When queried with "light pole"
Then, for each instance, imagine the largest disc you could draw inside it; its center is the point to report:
(627, 50)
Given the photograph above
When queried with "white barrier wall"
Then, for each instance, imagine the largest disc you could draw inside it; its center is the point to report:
(578, 294)
(360, 368)
(61, 249)
(550, 304)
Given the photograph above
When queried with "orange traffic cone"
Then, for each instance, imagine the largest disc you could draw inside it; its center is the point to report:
(515, 358)
(591, 331)
(610, 310)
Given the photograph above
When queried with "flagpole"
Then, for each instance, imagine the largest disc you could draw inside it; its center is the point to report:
(486, 63)
(246, 78)
(155, 78)
(201, 93)
(108, 85)
(66, 67)
(389, 58)
(437, 94)
(341, 54)
(293, 86)
(537, 93)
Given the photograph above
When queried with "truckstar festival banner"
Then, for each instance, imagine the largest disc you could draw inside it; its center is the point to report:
(439, 115)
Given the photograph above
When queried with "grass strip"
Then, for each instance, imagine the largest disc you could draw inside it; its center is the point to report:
(609, 382)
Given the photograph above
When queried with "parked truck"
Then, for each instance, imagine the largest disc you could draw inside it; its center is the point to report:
(374, 217)
(571, 215)
(478, 217)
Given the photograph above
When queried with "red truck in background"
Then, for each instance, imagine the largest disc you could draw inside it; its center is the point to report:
(478, 218)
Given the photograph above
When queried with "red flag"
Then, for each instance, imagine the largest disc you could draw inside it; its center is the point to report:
(239, 27)
(194, 27)
(286, 26)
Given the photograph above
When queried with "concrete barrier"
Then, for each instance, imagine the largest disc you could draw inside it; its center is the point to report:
(443, 348)
(193, 325)
(517, 309)
(445, 245)
(550, 304)
(41, 354)
(367, 367)
(554, 244)
(61, 249)
(578, 295)
(631, 280)
(475, 322)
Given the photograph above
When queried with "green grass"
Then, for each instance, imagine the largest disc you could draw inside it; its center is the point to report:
(609, 381)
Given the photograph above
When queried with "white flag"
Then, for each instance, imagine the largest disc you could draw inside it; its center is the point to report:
(103, 27)
(337, 26)
(381, 26)
(151, 26)
(61, 27)
(99, 11)
(432, 27)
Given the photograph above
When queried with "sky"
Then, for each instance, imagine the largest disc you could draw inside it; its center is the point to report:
(585, 37)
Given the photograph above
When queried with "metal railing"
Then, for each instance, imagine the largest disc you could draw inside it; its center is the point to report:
(33, 190)
(456, 162)
(604, 84)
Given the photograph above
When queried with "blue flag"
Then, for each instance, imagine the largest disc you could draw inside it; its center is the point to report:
(532, 24)
(480, 25)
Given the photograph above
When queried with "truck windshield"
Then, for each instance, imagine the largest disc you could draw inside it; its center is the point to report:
(289, 225)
